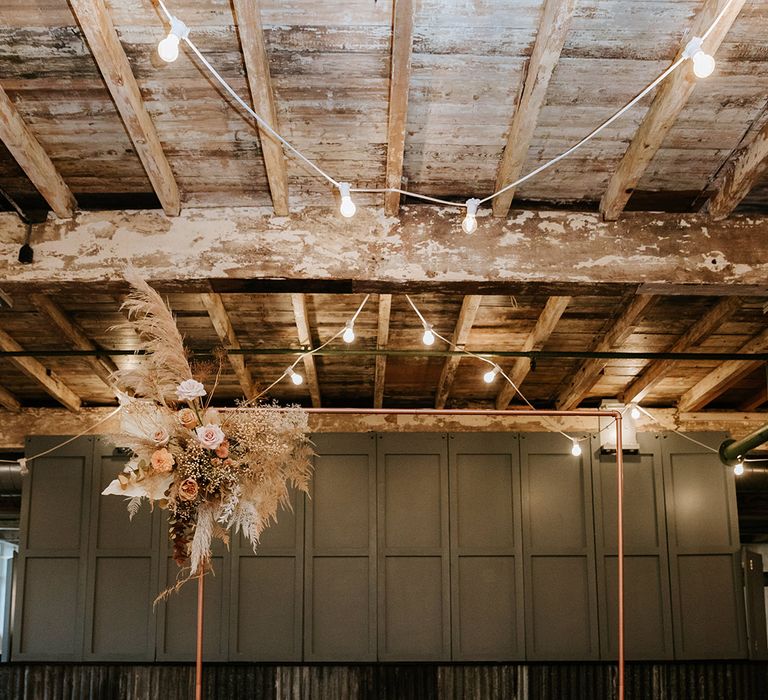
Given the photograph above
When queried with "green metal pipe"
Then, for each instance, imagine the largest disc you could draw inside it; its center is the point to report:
(734, 451)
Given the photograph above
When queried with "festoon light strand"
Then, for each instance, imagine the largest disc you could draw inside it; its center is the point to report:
(703, 66)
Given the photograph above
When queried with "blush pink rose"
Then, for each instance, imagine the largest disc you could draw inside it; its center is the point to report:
(210, 436)
(160, 437)
(162, 460)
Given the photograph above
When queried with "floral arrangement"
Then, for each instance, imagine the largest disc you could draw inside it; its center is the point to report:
(213, 470)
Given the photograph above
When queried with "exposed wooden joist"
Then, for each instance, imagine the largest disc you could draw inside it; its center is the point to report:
(248, 17)
(51, 421)
(758, 399)
(589, 371)
(400, 74)
(33, 159)
(724, 377)
(382, 339)
(553, 28)
(103, 366)
(110, 57)
(657, 370)
(545, 324)
(743, 171)
(39, 373)
(420, 248)
(671, 98)
(299, 303)
(9, 401)
(469, 306)
(223, 325)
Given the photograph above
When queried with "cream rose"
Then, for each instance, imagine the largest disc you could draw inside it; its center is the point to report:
(162, 460)
(190, 389)
(187, 418)
(188, 490)
(210, 436)
(160, 437)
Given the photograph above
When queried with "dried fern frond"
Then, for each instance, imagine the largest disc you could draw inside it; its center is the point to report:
(165, 365)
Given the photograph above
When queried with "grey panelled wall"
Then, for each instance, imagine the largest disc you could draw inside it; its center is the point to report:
(412, 547)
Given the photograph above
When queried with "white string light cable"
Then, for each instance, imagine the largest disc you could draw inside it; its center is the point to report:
(347, 333)
(168, 49)
(23, 462)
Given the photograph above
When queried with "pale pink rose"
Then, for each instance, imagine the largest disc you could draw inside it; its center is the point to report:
(210, 436)
(189, 390)
(188, 490)
(187, 418)
(162, 460)
(223, 450)
(160, 437)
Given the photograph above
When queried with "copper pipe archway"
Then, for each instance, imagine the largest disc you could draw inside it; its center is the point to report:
(587, 412)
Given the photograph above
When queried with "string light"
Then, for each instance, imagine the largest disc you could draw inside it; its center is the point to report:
(469, 225)
(296, 378)
(490, 375)
(634, 411)
(703, 63)
(738, 469)
(349, 332)
(347, 207)
(429, 336)
(575, 448)
(168, 48)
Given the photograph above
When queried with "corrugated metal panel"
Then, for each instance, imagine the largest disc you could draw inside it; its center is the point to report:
(573, 681)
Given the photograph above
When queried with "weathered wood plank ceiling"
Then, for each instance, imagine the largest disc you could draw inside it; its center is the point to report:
(331, 69)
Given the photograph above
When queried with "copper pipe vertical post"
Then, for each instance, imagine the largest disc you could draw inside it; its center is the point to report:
(620, 550)
(199, 659)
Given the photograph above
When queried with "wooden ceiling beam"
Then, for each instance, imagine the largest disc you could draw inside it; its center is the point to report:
(41, 374)
(657, 370)
(299, 303)
(754, 402)
(33, 160)
(382, 339)
(545, 324)
(249, 26)
(417, 250)
(724, 377)
(671, 97)
(742, 173)
(9, 400)
(110, 57)
(399, 82)
(221, 322)
(550, 38)
(589, 371)
(469, 306)
(103, 366)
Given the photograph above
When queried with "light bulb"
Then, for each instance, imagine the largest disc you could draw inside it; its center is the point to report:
(349, 332)
(347, 207)
(429, 337)
(469, 225)
(703, 64)
(296, 378)
(575, 448)
(738, 469)
(634, 411)
(168, 48)
(490, 375)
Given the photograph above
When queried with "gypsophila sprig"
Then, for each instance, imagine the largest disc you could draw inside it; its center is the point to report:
(213, 471)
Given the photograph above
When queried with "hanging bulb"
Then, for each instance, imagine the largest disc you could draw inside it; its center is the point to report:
(429, 337)
(738, 469)
(469, 225)
(634, 411)
(347, 207)
(575, 448)
(490, 375)
(168, 48)
(349, 332)
(703, 63)
(296, 378)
